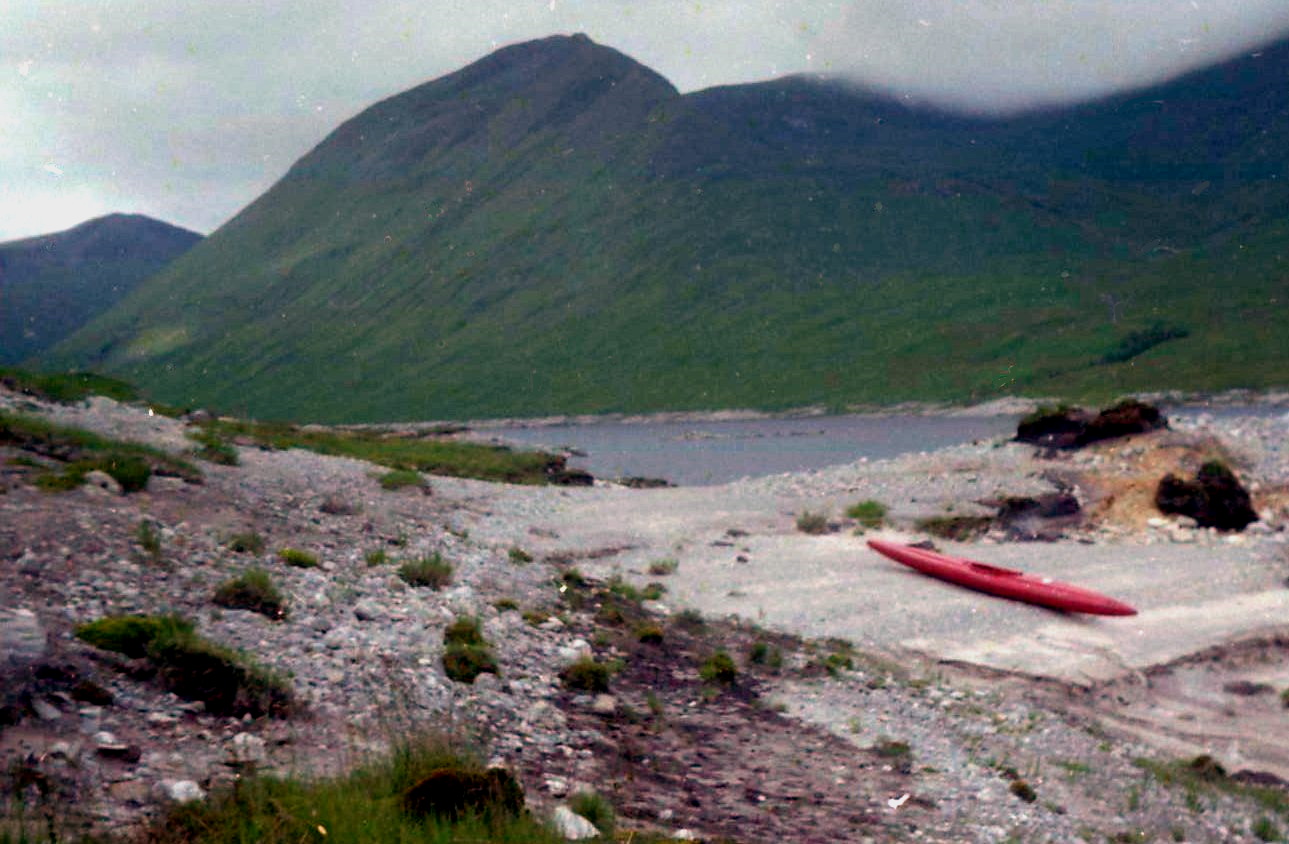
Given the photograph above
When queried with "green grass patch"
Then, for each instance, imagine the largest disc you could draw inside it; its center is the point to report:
(718, 668)
(649, 634)
(763, 653)
(67, 387)
(401, 479)
(214, 448)
(149, 539)
(432, 571)
(870, 514)
(586, 675)
(955, 528)
(596, 809)
(519, 556)
(252, 590)
(376, 557)
(378, 802)
(438, 457)
(80, 452)
(191, 666)
(1203, 774)
(466, 654)
(299, 559)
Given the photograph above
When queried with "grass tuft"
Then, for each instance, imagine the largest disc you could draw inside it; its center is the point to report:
(214, 448)
(466, 654)
(401, 479)
(718, 668)
(432, 571)
(299, 559)
(249, 542)
(664, 567)
(812, 523)
(586, 675)
(596, 809)
(252, 590)
(870, 514)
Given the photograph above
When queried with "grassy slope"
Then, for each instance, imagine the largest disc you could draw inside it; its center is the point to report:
(486, 246)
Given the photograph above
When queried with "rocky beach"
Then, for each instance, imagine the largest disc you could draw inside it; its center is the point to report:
(863, 702)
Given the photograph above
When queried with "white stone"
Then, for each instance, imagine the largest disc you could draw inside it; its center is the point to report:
(247, 749)
(556, 786)
(684, 835)
(182, 791)
(368, 610)
(1157, 522)
(604, 705)
(575, 650)
(552, 624)
(102, 480)
(571, 826)
(63, 750)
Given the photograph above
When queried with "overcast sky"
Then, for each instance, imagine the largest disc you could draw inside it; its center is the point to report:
(188, 110)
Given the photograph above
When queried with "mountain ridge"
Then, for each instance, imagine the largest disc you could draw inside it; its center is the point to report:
(554, 229)
(52, 284)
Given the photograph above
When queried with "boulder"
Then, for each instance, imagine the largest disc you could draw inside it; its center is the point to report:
(1215, 498)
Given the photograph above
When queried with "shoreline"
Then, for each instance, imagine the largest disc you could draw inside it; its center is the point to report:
(1005, 406)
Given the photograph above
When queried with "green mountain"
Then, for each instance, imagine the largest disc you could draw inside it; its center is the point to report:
(53, 284)
(555, 229)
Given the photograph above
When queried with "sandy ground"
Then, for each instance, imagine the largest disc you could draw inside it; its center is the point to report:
(738, 552)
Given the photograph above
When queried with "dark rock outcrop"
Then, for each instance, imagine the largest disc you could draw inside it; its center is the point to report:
(1072, 427)
(1044, 518)
(1215, 498)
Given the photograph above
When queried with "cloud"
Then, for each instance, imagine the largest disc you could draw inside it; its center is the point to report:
(1006, 55)
(188, 110)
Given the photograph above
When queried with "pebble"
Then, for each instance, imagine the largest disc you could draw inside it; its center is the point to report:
(45, 710)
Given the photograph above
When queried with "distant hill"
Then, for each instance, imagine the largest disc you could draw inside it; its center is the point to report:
(555, 229)
(53, 284)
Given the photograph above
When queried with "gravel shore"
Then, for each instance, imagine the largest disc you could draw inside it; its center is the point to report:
(949, 698)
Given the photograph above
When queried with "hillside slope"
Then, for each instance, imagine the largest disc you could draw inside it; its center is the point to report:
(53, 284)
(555, 229)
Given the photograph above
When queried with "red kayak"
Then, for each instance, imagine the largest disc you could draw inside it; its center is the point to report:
(1007, 583)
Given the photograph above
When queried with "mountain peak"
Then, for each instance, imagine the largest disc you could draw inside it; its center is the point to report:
(564, 86)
